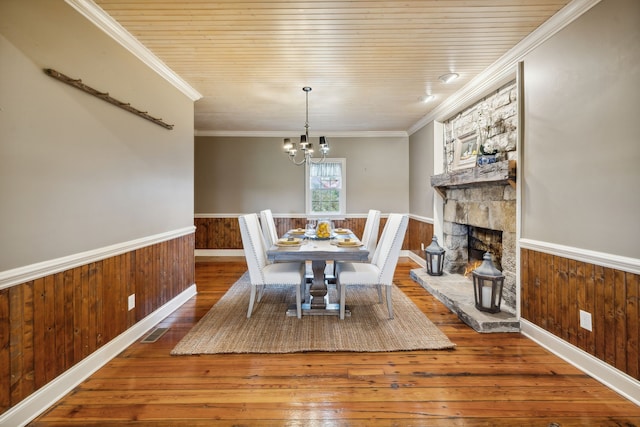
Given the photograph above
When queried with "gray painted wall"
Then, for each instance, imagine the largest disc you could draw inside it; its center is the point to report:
(242, 174)
(581, 170)
(421, 167)
(77, 173)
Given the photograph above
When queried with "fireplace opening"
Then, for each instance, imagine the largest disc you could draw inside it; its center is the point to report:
(481, 240)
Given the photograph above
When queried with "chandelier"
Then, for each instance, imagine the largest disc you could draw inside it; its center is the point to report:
(305, 146)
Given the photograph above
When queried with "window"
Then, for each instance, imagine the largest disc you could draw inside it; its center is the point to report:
(325, 188)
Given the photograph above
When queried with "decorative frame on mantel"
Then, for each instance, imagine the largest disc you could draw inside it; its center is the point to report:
(465, 151)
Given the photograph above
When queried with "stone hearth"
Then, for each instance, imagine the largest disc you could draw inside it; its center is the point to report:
(456, 292)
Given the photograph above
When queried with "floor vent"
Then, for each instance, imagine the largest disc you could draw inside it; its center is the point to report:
(155, 335)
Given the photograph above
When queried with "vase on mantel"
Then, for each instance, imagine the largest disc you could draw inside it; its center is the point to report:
(486, 159)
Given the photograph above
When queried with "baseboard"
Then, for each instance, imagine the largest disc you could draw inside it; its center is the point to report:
(415, 258)
(611, 377)
(219, 252)
(42, 399)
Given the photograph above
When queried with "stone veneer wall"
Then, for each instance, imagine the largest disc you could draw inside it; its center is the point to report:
(495, 118)
(490, 206)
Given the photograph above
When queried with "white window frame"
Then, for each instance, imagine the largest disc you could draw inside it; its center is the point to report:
(343, 191)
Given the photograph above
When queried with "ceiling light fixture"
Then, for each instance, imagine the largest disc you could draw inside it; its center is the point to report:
(305, 145)
(427, 98)
(449, 77)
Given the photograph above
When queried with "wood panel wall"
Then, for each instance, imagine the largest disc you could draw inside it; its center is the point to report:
(50, 324)
(224, 233)
(418, 233)
(554, 289)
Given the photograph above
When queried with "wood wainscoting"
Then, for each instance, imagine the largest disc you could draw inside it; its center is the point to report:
(419, 233)
(49, 324)
(224, 232)
(553, 291)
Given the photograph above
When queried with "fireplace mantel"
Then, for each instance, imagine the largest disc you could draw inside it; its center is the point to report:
(495, 173)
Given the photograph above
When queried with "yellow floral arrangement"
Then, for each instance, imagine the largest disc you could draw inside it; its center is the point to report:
(324, 230)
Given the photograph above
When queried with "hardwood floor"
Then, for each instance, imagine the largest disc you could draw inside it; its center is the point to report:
(488, 379)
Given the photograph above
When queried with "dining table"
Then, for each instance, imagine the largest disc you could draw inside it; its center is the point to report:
(295, 245)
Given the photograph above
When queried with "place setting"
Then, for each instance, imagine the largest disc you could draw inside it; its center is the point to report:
(347, 243)
(289, 241)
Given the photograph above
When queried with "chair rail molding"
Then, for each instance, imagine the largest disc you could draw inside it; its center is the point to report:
(627, 264)
(297, 215)
(421, 218)
(24, 274)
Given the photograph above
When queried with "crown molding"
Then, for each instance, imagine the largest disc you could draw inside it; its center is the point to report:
(494, 76)
(504, 69)
(110, 26)
(295, 134)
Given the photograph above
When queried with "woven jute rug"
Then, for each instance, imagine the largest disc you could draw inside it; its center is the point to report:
(226, 329)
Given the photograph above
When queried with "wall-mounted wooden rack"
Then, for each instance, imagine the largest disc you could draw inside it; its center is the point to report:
(77, 83)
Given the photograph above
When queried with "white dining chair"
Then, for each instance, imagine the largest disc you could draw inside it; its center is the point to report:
(263, 274)
(370, 233)
(379, 272)
(269, 229)
(369, 240)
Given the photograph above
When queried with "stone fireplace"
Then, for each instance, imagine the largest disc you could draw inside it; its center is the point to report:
(479, 193)
(480, 215)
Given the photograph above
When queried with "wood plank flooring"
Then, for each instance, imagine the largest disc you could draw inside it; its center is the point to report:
(487, 380)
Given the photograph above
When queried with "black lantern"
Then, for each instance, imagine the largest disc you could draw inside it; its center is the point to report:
(435, 258)
(487, 285)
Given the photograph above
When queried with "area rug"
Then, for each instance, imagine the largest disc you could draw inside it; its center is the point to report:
(226, 329)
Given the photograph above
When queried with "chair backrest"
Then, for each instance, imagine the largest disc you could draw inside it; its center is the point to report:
(268, 227)
(389, 246)
(370, 234)
(254, 248)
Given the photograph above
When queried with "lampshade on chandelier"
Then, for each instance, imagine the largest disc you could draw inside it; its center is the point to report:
(305, 146)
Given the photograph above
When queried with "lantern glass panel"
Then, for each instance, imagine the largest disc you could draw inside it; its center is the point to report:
(434, 264)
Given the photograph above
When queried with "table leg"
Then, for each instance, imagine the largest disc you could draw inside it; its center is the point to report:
(319, 305)
(318, 288)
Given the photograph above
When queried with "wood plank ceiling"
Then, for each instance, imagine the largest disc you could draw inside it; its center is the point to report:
(368, 61)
